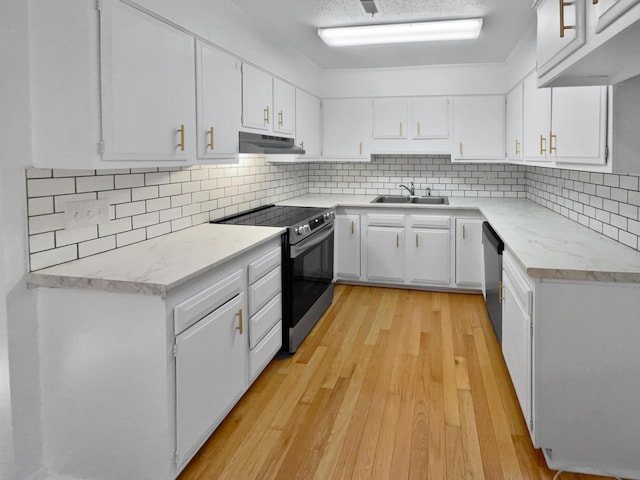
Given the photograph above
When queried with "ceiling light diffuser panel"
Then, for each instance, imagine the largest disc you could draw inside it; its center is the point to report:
(436, 31)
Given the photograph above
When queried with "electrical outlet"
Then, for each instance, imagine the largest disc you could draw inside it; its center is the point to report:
(85, 213)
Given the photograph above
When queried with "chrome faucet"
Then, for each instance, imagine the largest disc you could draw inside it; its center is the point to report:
(411, 190)
(428, 189)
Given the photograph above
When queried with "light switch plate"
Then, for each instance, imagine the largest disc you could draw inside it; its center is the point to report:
(85, 213)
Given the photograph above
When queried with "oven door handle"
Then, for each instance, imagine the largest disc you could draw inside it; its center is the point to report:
(297, 250)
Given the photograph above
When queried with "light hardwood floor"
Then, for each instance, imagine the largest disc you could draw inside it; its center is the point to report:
(391, 384)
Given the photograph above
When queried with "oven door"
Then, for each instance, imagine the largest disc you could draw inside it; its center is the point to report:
(310, 271)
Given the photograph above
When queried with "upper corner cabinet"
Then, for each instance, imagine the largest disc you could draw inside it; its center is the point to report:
(479, 128)
(219, 98)
(308, 124)
(147, 100)
(560, 31)
(268, 103)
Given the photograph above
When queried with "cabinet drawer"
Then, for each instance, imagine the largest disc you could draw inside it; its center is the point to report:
(260, 267)
(264, 320)
(264, 290)
(386, 220)
(521, 288)
(260, 356)
(193, 309)
(429, 221)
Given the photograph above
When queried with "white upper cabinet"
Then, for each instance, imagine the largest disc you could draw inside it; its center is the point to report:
(219, 103)
(536, 120)
(284, 107)
(578, 125)
(561, 31)
(147, 100)
(600, 48)
(390, 117)
(346, 128)
(268, 103)
(257, 85)
(429, 117)
(479, 128)
(514, 124)
(308, 124)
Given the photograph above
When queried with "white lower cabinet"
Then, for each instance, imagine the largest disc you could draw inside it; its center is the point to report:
(347, 246)
(407, 247)
(428, 249)
(565, 352)
(385, 247)
(469, 253)
(170, 368)
(211, 365)
(517, 331)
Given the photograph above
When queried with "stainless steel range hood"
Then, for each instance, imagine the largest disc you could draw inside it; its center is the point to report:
(268, 144)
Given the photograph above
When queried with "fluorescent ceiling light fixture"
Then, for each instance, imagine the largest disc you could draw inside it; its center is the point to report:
(436, 31)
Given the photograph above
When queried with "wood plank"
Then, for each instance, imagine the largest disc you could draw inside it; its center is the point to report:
(390, 384)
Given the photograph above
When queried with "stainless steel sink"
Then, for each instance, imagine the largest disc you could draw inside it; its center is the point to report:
(414, 200)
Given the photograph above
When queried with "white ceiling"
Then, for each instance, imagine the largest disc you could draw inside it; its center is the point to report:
(294, 23)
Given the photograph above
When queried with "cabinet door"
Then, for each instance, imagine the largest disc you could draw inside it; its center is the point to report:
(479, 127)
(211, 368)
(390, 117)
(219, 103)
(346, 128)
(428, 254)
(284, 107)
(514, 124)
(555, 43)
(148, 101)
(430, 117)
(257, 111)
(308, 124)
(469, 253)
(385, 254)
(608, 11)
(578, 125)
(347, 246)
(536, 121)
(516, 345)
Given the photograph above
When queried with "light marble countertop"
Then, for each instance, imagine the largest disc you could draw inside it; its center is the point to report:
(158, 265)
(546, 244)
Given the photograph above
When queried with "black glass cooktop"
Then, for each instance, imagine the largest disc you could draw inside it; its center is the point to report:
(272, 216)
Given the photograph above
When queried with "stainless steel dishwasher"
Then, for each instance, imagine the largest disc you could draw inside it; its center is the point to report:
(493, 248)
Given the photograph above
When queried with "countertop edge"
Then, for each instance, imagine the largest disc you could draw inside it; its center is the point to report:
(48, 280)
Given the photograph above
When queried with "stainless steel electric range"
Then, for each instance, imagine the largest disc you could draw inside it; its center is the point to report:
(307, 280)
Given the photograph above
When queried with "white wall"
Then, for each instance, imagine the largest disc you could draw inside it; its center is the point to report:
(522, 60)
(427, 80)
(19, 412)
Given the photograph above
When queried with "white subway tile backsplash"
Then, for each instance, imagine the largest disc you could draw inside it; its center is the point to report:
(130, 209)
(146, 219)
(127, 238)
(148, 202)
(40, 206)
(42, 241)
(55, 256)
(116, 196)
(144, 193)
(114, 226)
(129, 181)
(46, 223)
(76, 235)
(50, 186)
(94, 184)
(73, 173)
(159, 229)
(99, 245)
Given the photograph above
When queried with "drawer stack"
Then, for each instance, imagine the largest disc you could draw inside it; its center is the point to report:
(265, 310)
